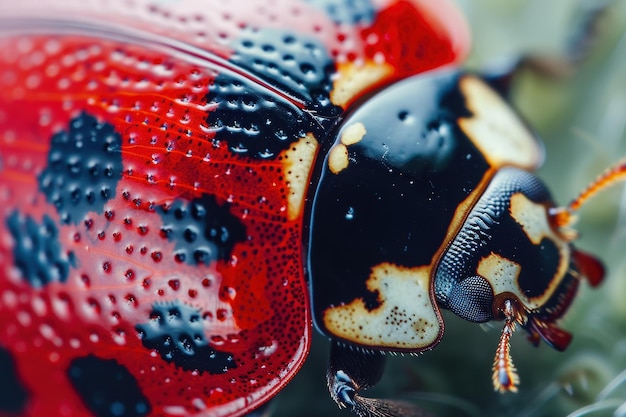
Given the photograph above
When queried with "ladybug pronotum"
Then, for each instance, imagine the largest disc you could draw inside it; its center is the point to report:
(187, 190)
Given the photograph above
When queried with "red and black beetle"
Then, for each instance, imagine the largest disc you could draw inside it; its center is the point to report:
(185, 187)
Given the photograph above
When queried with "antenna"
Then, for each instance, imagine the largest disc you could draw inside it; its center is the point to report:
(564, 217)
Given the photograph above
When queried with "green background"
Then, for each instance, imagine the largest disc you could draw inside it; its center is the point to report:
(582, 120)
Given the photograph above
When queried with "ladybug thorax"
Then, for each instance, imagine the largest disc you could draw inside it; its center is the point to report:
(396, 185)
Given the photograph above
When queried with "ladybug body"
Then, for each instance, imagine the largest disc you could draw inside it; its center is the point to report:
(470, 229)
(185, 188)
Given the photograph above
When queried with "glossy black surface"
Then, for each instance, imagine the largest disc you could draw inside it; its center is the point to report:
(107, 388)
(395, 200)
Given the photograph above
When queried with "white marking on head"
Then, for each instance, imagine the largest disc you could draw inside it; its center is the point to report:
(502, 273)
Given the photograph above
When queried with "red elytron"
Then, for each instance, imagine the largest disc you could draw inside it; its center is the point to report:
(154, 163)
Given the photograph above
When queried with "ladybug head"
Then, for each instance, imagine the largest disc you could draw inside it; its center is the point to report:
(512, 259)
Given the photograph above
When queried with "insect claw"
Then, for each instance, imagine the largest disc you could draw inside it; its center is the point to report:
(343, 389)
(353, 370)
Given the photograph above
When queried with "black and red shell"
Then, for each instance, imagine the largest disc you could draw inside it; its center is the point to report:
(154, 162)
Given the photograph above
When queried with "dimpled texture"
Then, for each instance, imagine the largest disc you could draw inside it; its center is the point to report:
(296, 65)
(202, 230)
(84, 165)
(118, 121)
(37, 252)
(348, 12)
(175, 331)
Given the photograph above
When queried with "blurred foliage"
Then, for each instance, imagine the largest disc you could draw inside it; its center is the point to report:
(582, 119)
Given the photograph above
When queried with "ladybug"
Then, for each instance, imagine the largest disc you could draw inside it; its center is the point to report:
(188, 188)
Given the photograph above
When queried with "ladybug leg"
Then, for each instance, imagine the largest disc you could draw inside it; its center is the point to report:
(352, 370)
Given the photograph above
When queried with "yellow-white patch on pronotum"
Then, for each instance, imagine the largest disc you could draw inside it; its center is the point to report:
(352, 134)
(338, 158)
(297, 162)
(354, 78)
(406, 319)
(495, 129)
(338, 154)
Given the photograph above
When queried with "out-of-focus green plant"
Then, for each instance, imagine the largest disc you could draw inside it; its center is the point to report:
(582, 120)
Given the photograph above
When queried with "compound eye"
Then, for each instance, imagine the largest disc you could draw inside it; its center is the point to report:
(472, 299)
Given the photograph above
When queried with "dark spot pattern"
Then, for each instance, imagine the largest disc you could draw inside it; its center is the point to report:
(84, 166)
(204, 231)
(351, 12)
(291, 62)
(37, 252)
(257, 121)
(13, 394)
(176, 332)
(107, 388)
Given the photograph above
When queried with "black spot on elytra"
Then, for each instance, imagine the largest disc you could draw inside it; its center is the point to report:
(176, 332)
(203, 230)
(255, 120)
(37, 252)
(107, 388)
(13, 394)
(84, 166)
(351, 12)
